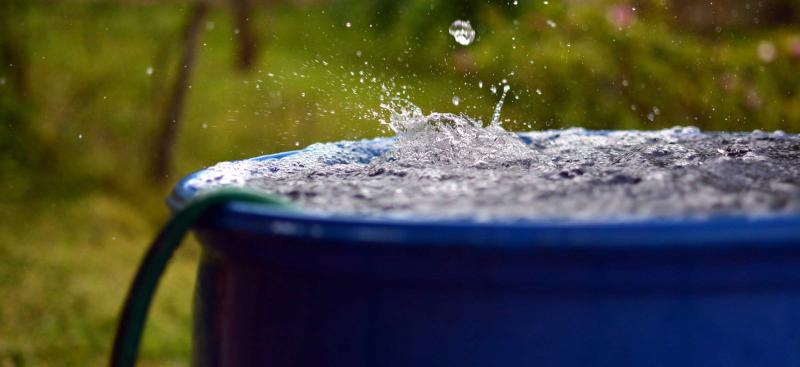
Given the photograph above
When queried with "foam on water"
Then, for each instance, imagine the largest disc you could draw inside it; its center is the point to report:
(450, 166)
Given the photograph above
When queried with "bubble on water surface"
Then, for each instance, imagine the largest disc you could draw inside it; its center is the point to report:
(462, 32)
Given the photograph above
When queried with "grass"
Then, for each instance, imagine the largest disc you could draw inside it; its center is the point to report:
(79, 208)
(66, 267)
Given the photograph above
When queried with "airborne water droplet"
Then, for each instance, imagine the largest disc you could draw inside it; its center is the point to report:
(456, 100)
(462, 32)
(499, 106)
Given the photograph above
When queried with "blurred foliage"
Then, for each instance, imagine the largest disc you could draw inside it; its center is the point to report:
(93, 108)
(83, 86)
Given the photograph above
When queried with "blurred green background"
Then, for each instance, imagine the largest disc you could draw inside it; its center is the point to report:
(87, 106)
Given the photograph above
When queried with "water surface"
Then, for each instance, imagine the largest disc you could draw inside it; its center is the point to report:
(450, 166)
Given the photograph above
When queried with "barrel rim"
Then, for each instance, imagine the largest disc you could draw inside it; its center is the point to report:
(691, 232)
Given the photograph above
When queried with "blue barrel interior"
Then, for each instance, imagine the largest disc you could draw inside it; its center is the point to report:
(280, 288)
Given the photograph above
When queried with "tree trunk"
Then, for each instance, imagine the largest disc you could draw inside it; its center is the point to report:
(242, 10)
(165, 142)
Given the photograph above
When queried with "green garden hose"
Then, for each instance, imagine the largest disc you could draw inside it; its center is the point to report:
(140, 295)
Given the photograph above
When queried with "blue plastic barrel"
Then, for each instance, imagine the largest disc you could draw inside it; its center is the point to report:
(295, 289)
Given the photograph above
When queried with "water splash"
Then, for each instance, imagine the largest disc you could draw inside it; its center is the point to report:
(462, 32)
(499, 106)
(442, 165)
(449, 166)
